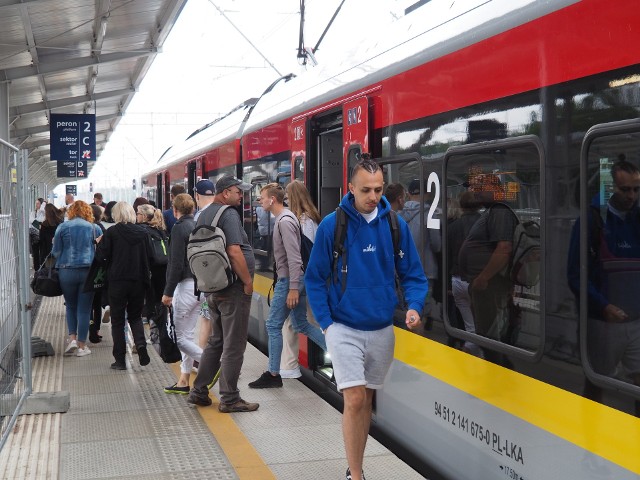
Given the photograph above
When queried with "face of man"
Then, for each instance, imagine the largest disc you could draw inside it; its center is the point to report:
(97, 201)
(367, 190)
(266, 202)
(626, 190)
(233, 196)
(38, 204)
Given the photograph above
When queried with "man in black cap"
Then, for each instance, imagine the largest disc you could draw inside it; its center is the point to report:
(230, 307)
(205, 192)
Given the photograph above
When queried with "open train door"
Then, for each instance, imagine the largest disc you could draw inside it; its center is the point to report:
(298, 138)
(355, 133)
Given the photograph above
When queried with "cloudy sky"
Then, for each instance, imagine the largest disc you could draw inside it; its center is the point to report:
(207, 67)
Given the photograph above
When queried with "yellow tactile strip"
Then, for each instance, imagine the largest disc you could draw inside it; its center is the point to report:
(244, 458)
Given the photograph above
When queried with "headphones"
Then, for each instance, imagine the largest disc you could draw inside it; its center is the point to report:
(271, 202)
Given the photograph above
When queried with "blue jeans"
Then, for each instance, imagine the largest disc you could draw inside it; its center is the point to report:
(279, 313)
(78, 303)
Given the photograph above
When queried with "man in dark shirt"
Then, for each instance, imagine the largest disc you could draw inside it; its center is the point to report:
(484, 255)
(169, 218)
(229, 308)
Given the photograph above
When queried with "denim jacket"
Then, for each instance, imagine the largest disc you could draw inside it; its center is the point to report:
(73, 244)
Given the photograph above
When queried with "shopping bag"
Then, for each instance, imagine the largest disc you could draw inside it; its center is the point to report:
(163, 319)
(96, 278)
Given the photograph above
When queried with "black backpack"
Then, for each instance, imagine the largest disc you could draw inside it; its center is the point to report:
(339, 250)
(305, 243)
(159, 247)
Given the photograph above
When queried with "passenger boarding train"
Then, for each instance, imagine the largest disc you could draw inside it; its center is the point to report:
(543, 95)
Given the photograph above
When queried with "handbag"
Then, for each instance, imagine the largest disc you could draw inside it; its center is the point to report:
(96, 278)
(46, 282)
(169, 351)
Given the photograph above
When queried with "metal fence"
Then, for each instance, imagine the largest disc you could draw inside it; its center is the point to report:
(15, 296)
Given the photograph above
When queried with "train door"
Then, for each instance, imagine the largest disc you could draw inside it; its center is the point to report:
(192, 175)
(159, 191)
(166, 199)
(325, 174)
(298, 149)
(355, 122)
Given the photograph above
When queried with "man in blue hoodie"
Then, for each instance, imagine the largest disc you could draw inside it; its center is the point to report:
(613, 309)
(357, 319)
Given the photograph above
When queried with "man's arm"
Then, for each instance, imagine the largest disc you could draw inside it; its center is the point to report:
(499, 259)
(240, 268)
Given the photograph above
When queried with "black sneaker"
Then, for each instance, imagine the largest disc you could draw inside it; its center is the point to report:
(143, 355)
(348, 476)
(198, 400)
(176, 389)
(267, 380)
(118, 366)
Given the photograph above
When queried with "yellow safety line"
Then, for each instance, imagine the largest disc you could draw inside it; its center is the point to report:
(244, 458)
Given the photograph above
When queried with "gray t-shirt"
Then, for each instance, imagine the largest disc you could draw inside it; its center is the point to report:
(496, 224)
(231, 225)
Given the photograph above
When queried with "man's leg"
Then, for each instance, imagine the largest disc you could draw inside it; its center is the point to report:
(356, 420)
(278, 313)
(210, 358)
(234, 308)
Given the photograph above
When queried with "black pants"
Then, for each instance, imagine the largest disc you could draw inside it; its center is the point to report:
(126, 296)
(96, 313)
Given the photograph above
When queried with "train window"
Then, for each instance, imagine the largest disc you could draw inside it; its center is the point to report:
(298, 168)
(353, 157)
(610, 308)
(492, 248)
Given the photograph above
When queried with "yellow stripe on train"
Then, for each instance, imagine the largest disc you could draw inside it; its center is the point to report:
(604, 431)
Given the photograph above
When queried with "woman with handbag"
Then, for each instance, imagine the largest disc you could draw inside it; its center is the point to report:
(52, 218)
(124, 249)
(73, 247)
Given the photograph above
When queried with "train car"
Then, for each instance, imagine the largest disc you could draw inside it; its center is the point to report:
(208, 152)
(543, 98)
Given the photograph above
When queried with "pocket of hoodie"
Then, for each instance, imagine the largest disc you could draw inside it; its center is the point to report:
(370, 303)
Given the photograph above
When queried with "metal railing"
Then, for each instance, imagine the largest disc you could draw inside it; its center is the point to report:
(15, 296)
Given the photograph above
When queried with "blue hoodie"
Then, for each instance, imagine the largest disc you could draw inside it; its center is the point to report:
(622, 240)
(370, 295)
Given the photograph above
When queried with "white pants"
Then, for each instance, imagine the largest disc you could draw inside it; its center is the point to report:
(186, 309)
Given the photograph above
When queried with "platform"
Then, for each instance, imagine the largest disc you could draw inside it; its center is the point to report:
(122, 424)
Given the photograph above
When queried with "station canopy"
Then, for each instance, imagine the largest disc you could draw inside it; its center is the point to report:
(75, 57)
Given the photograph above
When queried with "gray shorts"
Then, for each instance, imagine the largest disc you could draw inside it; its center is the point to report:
(360, 357)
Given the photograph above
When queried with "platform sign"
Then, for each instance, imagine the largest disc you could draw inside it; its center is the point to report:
(72, 168)
(72, 137)
(71, 189)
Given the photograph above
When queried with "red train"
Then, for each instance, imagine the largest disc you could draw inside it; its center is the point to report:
(543, 95)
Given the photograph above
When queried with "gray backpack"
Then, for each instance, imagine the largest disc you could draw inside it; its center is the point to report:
(207, 256)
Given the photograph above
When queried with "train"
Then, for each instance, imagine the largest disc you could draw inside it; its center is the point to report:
(545, 95)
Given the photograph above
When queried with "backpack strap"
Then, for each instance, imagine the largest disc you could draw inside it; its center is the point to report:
(395, 233)
(339, 236)
(219, 213)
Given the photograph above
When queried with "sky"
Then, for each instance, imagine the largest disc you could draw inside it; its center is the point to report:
(207, 67)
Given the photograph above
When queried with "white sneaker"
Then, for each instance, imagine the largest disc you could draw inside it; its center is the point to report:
(72, 346)
(83, 352)
(294, 373)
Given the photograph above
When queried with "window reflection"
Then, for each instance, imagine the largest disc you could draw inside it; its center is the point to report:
(613, 240)
(495, 282)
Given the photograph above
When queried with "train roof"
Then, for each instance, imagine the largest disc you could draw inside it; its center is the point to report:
(431, 31)
(218, 132)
